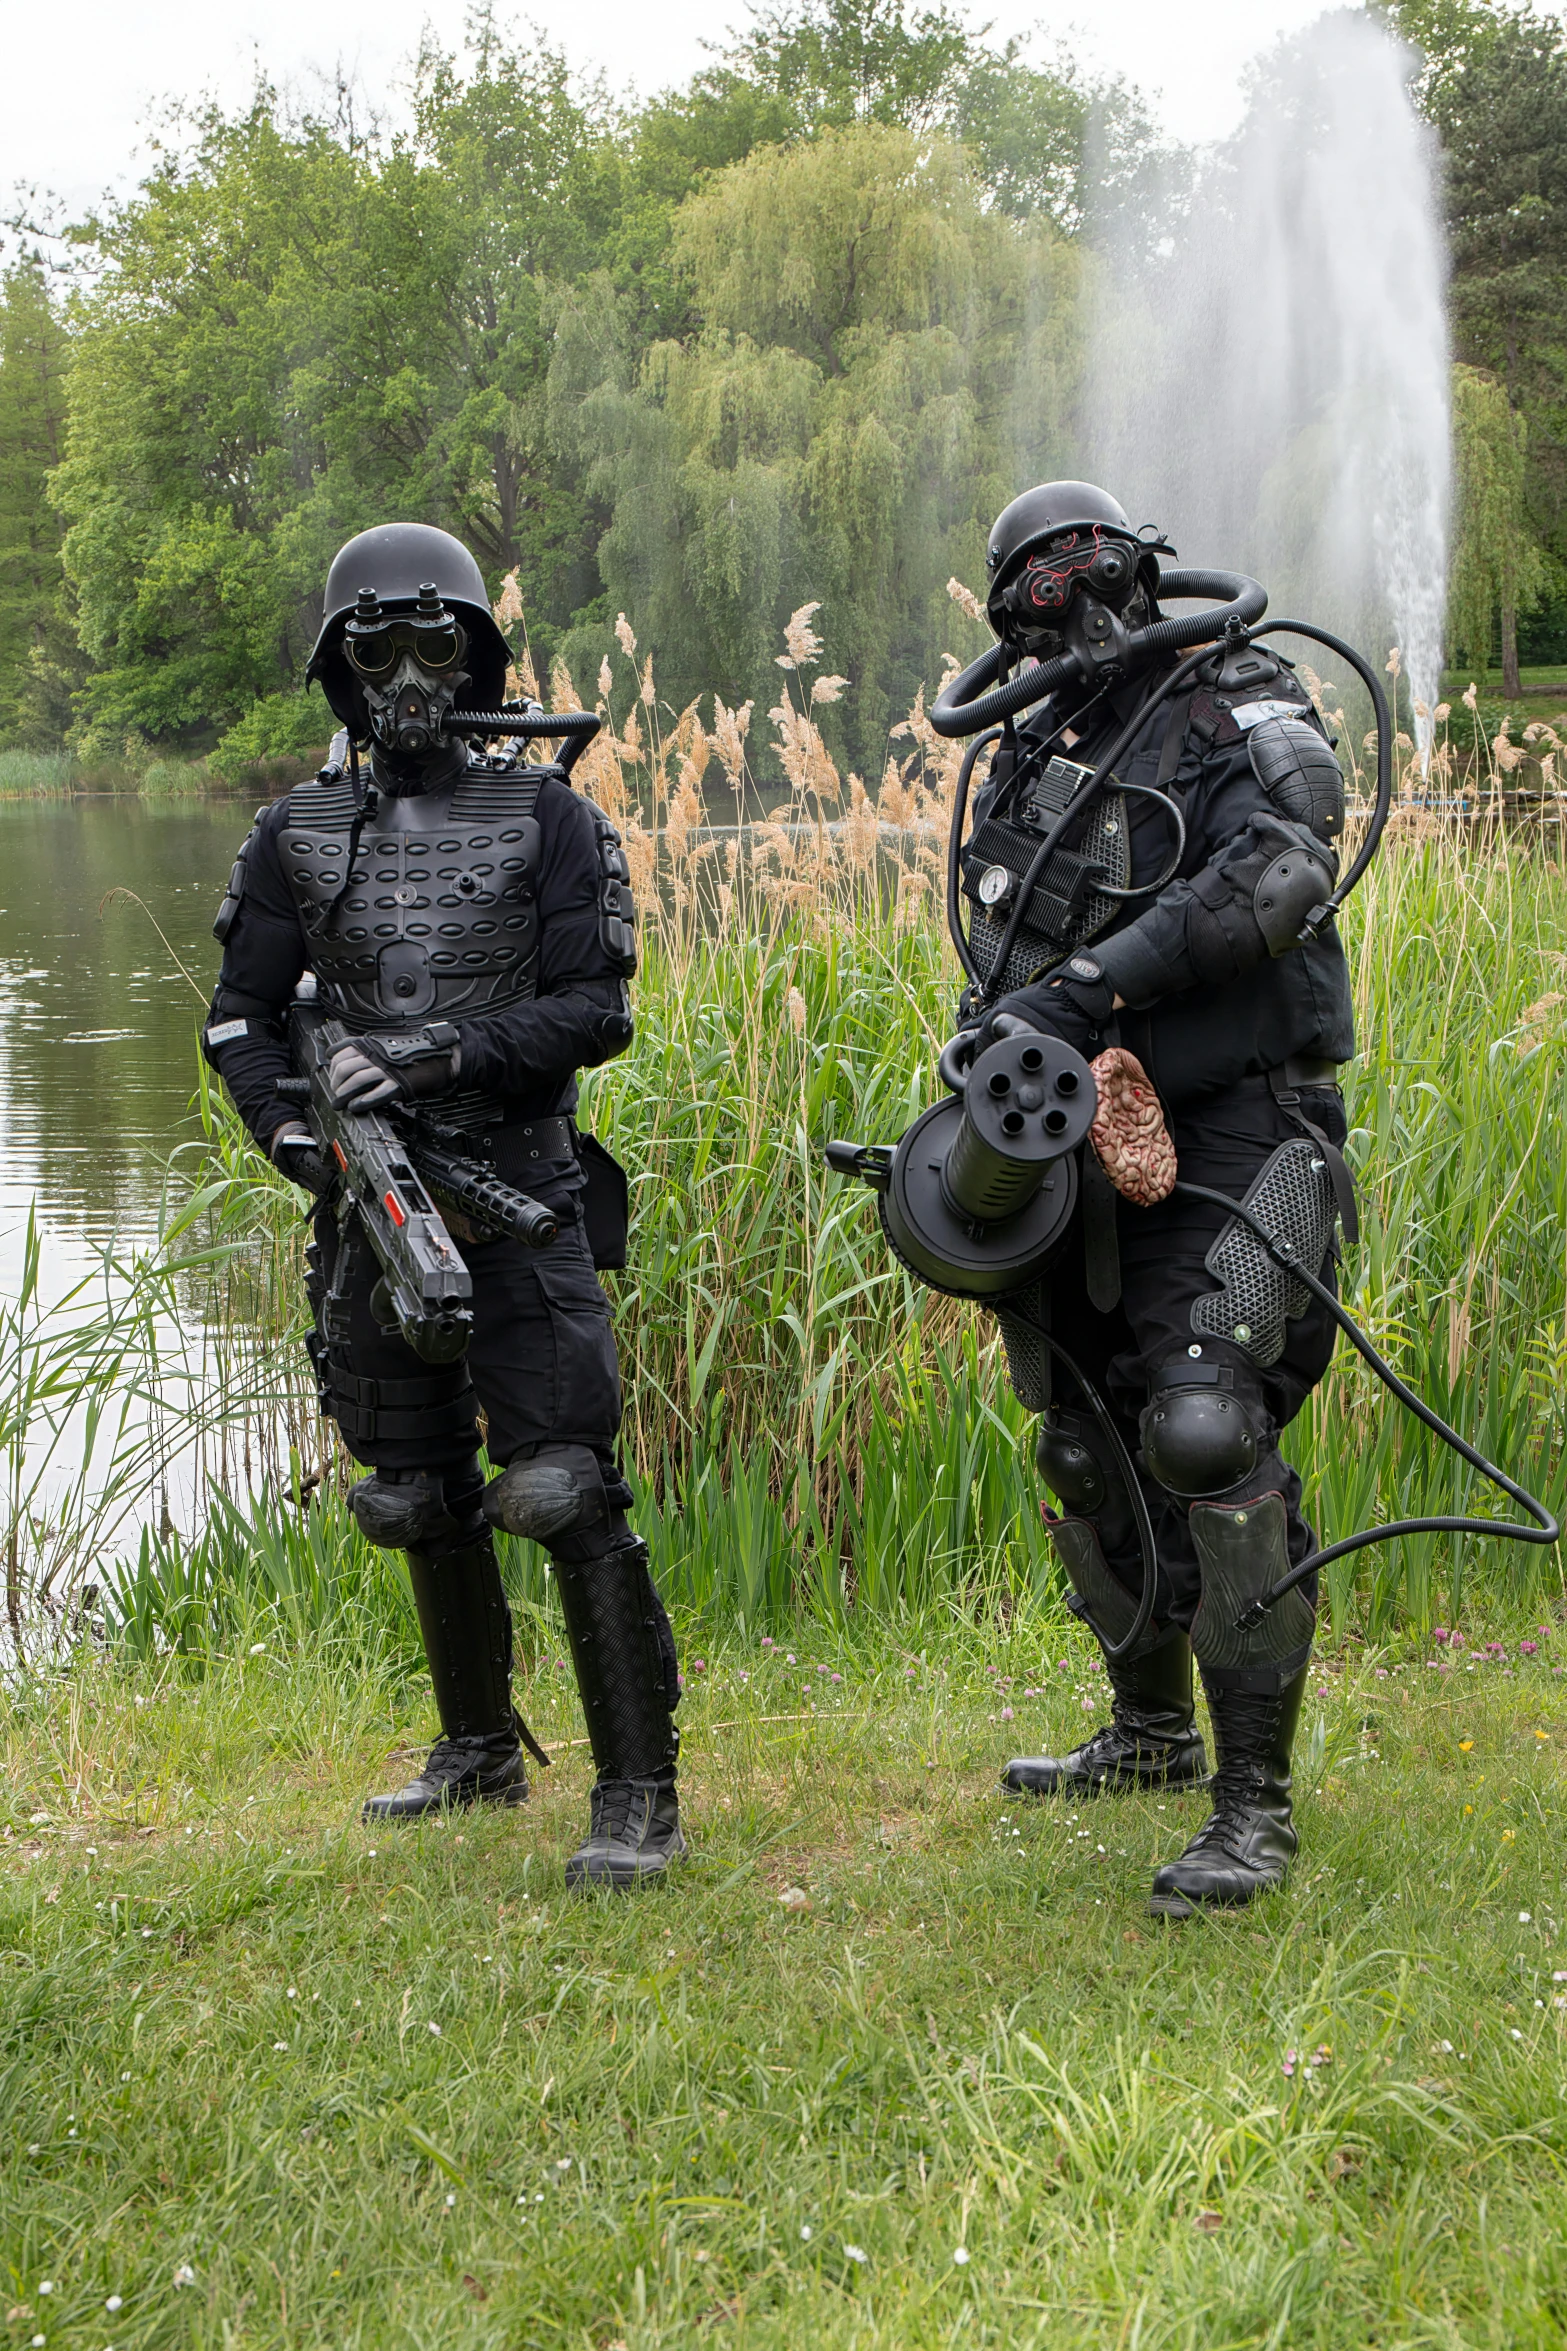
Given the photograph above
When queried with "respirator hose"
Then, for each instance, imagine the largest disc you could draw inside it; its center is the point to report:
(954, 712)
(1545, 1530)
(1384, 722)
(577, 727)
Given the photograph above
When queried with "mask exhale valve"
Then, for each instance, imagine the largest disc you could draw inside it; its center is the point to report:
(983, 1185)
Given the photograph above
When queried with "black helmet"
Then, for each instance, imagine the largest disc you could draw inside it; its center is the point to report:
(1056, 540)
(387, 567)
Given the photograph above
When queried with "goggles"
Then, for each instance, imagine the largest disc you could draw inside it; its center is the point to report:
(374, 648)
(1106, 566)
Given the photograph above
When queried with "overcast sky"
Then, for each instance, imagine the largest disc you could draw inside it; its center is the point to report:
(78, 88)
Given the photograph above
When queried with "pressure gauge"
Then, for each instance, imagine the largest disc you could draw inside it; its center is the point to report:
(995, 886)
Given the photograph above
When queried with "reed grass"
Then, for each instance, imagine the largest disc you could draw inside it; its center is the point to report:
(809, 1429)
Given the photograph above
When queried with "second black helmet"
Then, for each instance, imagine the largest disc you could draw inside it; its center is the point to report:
(393, 567)
(1055, 542)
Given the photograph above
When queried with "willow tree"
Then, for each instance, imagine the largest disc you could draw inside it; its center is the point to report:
(36, 665)
(1496, 567)
(882, 360)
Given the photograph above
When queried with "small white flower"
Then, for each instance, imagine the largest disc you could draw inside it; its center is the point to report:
(1517, 2035)
(256, 1648)
(434, 2028)
(563, 2163)
(280, 2044)
(450, 2201)
(856, 2253)
(46, 2285)
(184, 2275)
(805, 2231)
(125, 2077)
(115, 2302)
(292, 1994)
(38, 2341)
(960, 2255)
(1523, 1918)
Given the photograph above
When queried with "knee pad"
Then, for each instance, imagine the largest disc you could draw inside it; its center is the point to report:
(558, 1491)
(403, 1510)
(1199, 1436)
(1073, 1456)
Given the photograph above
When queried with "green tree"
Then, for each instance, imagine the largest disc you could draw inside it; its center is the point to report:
(297, 333)
(882, 356)
(1496, 566)
(1501, 111)
(36, 643)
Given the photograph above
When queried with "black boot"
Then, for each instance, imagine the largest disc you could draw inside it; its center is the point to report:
(1150, 1741)
(1250, 1842)
(624, 1654)
(468, 1640)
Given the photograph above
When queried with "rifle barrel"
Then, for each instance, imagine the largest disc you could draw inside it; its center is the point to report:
(474, 1191)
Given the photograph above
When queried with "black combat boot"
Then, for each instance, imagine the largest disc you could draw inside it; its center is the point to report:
(624, 1654)
(1150, 1741)
(468, 1640)
(1254, 1676)
(1250, 1841)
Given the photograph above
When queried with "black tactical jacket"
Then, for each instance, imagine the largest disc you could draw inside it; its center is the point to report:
(499, 904)
(1206, 1002)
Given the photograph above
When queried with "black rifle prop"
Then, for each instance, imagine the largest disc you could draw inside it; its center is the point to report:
(397, 1172)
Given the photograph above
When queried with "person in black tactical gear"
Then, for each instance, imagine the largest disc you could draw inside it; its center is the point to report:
(464, 916)
(1172, 927)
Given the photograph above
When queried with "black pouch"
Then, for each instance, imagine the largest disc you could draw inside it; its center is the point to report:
(606, 1206)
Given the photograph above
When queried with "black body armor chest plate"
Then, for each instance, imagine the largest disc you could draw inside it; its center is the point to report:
(439, 920)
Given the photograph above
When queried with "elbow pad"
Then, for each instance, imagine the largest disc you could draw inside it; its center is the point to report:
(1254, 902)
(1292, 888)
(617, 907)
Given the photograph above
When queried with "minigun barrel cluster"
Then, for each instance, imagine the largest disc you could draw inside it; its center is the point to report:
(980, 1190)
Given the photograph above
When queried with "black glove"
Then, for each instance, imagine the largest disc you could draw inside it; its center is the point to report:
(373, 1071)
(292, 1147)
(1075, 1004)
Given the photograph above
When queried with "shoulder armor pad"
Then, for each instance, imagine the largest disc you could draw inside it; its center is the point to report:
(617, 906)
(223, 921)
(1299, 773)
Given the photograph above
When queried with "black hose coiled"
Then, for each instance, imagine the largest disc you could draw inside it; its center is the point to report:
(954, 712)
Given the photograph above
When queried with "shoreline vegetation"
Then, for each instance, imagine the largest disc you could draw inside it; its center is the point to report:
(812, 1435)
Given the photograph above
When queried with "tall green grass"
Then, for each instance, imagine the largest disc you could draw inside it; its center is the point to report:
(807, 1426)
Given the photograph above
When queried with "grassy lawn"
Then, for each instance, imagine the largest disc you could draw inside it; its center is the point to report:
(358, 2087)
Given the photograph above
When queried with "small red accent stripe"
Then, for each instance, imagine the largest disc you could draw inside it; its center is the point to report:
(394, 1210)
(341, 1156)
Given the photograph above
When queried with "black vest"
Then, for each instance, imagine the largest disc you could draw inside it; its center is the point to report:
(438, 920)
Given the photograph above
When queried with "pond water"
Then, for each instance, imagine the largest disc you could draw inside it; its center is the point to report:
(98, 1023)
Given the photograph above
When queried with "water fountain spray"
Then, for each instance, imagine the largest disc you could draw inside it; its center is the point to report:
(1268, 369)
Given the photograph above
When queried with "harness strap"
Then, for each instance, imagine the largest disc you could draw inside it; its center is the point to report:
(1285, 1083)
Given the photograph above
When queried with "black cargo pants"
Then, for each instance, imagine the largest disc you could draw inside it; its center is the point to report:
(1224, 1143)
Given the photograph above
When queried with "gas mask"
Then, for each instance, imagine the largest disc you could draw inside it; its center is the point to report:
(1077, 590)
(409, 668)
